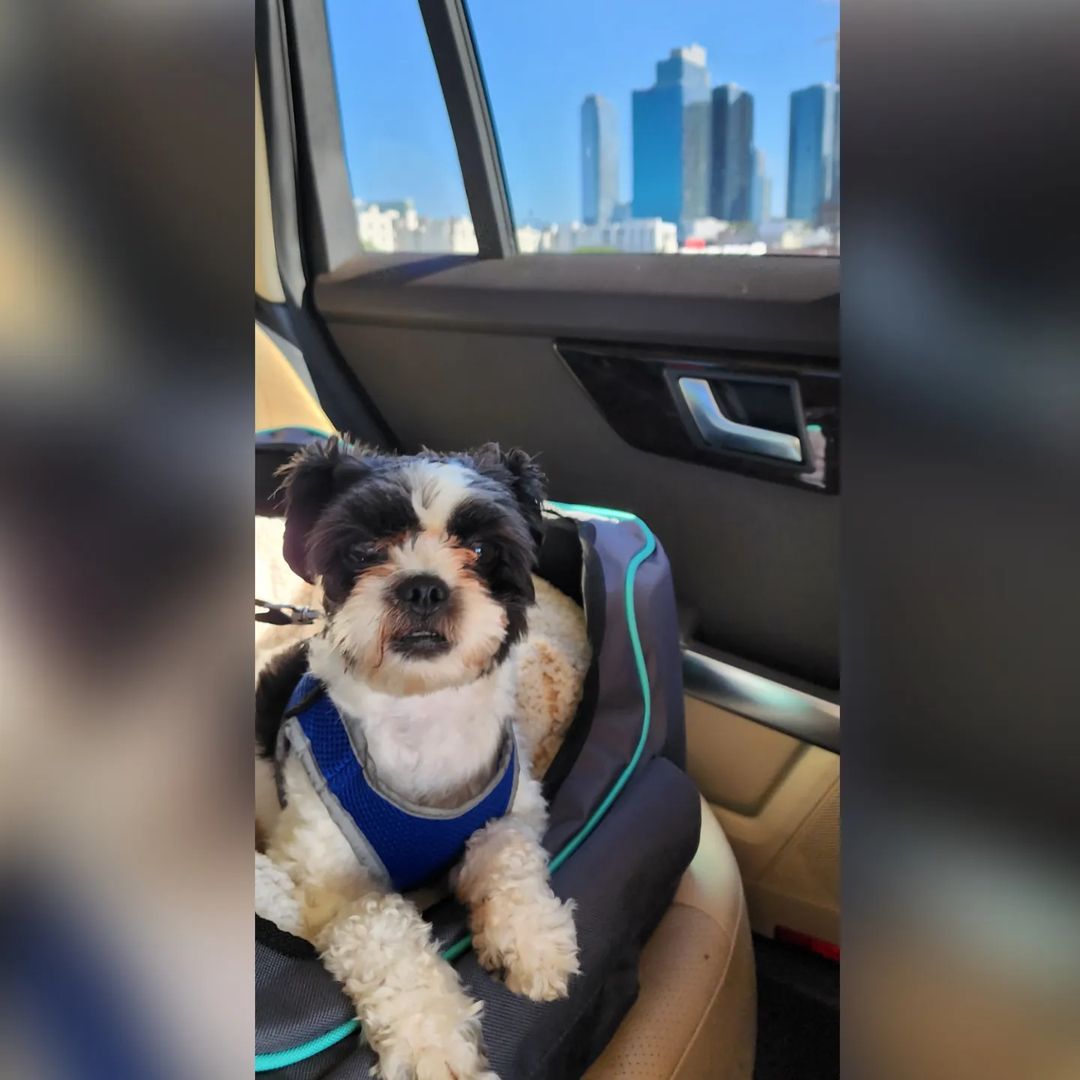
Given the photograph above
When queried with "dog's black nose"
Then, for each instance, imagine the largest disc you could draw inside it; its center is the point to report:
(423, 594)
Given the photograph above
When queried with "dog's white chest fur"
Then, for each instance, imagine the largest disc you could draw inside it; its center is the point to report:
(435, 749)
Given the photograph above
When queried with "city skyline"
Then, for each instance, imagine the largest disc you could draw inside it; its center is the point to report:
(695, 154)
(540, 62)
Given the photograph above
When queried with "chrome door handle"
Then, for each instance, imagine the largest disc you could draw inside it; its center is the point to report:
(717, 430)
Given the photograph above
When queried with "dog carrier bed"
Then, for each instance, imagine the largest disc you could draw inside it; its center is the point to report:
(624, 824)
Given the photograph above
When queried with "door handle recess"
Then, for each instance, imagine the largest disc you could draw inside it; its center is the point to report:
(718, 431)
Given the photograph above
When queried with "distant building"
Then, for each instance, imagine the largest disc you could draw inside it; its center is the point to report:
(671, 139)
(707, 230)
(454, 234)
(435, 235)
(599, 160)
(375, 226)
(732, 153)
(836, 148)
(829, 214)
(649, 236)
(760, 191)
(697, 142)
(813, 151)
(396, 226)
(531, 239)
(784, 235)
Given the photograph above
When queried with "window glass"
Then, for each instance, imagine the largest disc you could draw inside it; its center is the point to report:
(403, 166)
(690, 126)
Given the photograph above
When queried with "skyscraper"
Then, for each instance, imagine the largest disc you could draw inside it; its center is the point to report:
(829, 213)
(732, 153)
(697, 141)
(671, 139)
(813, 150)
(760, 191)
(599, 160)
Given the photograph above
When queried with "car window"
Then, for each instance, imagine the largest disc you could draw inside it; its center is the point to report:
(684, 127)
(677, 127)
(403, 167)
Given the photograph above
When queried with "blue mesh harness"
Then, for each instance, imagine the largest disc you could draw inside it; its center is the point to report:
(412, 844)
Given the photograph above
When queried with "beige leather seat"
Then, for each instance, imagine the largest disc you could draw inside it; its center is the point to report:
(695, 1016)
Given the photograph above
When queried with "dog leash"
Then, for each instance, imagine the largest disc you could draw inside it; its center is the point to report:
(285, 614)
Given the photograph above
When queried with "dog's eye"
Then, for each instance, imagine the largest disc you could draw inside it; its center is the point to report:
(483, 551)
(362, 557)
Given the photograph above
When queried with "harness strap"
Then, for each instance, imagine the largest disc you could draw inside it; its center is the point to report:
(411, 844)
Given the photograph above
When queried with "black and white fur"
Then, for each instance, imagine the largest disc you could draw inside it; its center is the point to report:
(425, 564)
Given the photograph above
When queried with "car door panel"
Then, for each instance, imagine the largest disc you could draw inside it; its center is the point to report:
(475, 358)
(777, 799)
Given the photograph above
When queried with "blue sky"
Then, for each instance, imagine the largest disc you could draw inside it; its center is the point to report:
(540, 59)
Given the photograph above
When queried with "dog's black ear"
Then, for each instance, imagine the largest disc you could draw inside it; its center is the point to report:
(520, 473)
(309, 480)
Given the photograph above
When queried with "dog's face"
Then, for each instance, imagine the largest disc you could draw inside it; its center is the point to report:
(425, 561)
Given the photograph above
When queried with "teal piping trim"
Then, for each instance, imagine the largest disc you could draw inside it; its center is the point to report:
(294, 427)
(642, 672)
(268, 1062)
(282, 1058)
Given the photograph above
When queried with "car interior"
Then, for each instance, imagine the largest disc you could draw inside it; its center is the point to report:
(702, 394)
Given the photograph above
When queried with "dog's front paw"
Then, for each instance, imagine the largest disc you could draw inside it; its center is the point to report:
(533, 942)
(440, 1042)
(460, 1058)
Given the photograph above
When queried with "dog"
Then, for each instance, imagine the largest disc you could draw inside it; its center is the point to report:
(401, 707)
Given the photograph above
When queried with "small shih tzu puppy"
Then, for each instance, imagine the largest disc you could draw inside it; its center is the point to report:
(393, 735)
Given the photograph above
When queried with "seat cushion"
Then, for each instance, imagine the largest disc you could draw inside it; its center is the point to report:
(695, 1015)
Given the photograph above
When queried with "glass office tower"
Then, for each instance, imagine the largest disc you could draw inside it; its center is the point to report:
(599, 160)
(813, 151)
(671, 139)
(732, 153)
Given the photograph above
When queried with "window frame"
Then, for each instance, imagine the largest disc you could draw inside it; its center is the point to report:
(304, 89)
(453, 46)
(325, 218)
(314, 225)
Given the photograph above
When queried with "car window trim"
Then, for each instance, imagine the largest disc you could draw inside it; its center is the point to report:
(453, 47)
(345, 401)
